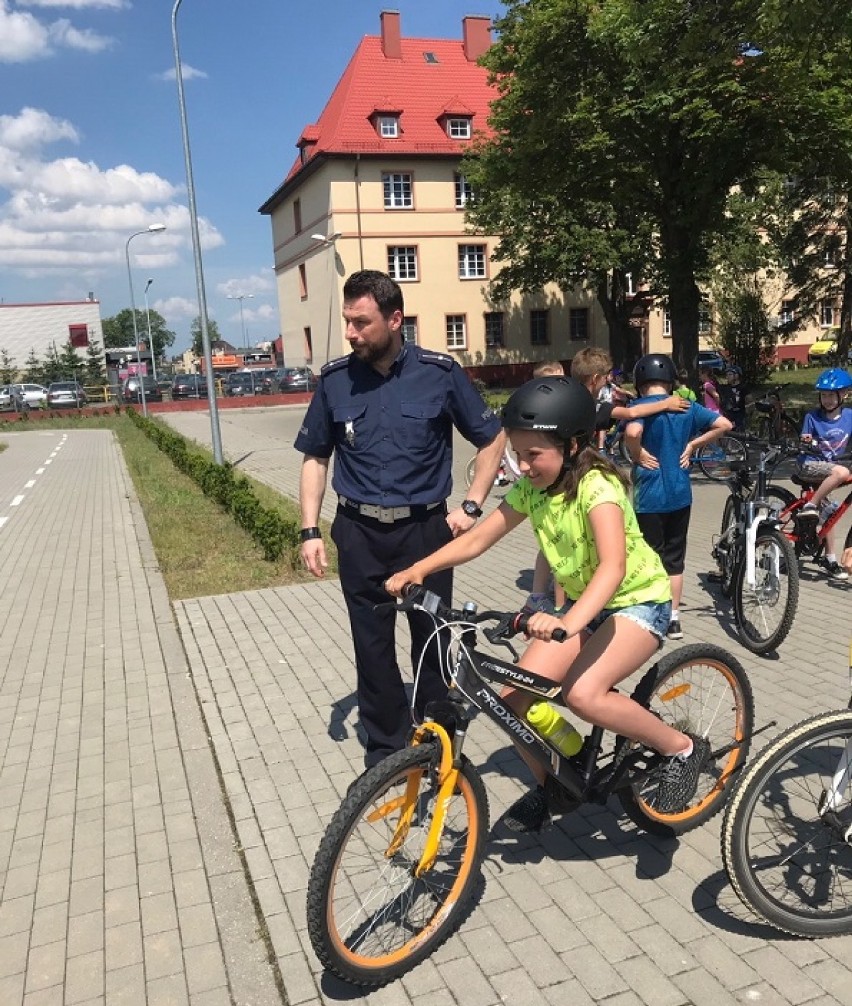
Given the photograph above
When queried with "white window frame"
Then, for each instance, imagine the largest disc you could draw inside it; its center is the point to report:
(705, 318)
(667, 324)
(788, 311)
(826, 313)
(455, 326)
(500, 318)
(463, 191)
(398, 190)
(409, 329)
(387, 126)
(402, 263)
(473, 261)
(459, 127)
(575, 313)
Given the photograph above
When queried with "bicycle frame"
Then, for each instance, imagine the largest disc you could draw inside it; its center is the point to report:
(822, 532)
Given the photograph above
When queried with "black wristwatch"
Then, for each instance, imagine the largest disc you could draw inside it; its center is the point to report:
(471, 508)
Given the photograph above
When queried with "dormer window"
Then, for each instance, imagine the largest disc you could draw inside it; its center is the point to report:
(388, 126)
(459, 127)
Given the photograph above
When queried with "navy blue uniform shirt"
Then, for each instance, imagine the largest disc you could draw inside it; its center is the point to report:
(392, 436)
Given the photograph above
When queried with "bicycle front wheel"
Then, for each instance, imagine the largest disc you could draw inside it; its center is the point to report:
(370, 919)
(764, 611)
(468, 472)
(715, 459)
(787, 832)
(704, 690)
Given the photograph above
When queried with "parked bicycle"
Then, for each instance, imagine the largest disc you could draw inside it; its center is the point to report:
(397, 869)
(720, 458)
(787, 831)
(507, 473)
(757, 563)
(775, 425)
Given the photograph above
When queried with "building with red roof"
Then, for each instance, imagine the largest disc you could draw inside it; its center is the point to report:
(377, 184)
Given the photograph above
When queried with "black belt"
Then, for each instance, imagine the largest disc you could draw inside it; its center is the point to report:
(389, 514)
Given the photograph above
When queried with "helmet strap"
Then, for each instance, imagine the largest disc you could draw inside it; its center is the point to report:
(568, 458)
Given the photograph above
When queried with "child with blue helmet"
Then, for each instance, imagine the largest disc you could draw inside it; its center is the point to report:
(827, 431)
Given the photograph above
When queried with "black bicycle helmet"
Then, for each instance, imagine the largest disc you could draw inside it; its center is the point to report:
(558, 405)
(655, 368)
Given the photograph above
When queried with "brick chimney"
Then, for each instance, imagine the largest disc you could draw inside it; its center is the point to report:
(391, 38)
(476, 31)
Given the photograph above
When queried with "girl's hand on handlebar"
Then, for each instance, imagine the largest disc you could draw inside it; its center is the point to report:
(542, 626)
(397, 583)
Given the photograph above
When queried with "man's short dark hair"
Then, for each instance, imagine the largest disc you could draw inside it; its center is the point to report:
(378, 285)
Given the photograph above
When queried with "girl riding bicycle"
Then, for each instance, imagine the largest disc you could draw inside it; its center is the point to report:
(619, 594)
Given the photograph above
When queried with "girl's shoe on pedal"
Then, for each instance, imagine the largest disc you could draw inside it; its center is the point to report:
(530, 813)
(679, 777)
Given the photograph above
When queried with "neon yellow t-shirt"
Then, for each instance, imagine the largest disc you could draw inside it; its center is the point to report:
(566, 539)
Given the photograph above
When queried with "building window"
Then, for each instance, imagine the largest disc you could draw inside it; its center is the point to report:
(303, 282)
(494, 328)
(826, 313)
(388, 127)
(309, 345)
(398, 191)
(539, 335)
(456, 331)
(472, 261)
(788, 311)
(705, 318)
(409, 329)
(578, 323)
(297, 215)
(459, 128)
(402, 262)
(463, 191)
(667, 323)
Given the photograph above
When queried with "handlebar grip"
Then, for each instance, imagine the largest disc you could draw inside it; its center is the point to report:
(559, 635)
(522, 620)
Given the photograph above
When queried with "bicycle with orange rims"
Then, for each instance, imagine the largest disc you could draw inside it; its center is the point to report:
(397, 869)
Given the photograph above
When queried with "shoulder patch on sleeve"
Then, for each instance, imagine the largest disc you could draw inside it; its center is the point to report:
(439, 359)
(333, 365)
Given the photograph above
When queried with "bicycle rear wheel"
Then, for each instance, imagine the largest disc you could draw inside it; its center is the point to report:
(370, 920)
(715, 459)
(764, 613)
(787, 832)
(704, 690)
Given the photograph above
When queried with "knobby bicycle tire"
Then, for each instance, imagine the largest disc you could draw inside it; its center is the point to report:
(715, 459)
(764, 613)
(705, 690)
(789, 861)
(370, 920)
(729, 517)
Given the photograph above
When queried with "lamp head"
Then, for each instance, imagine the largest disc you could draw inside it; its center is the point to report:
(156, 228)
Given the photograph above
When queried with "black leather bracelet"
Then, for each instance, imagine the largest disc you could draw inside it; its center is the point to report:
(310, 532)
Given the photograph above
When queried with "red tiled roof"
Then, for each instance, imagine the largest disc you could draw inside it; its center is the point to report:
(423, 91)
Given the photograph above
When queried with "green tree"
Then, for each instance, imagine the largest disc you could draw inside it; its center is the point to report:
(195, 332)
(51, 367)
(71, 365)
(33, 369)
(118, 330)
(8, 370)
(95, 371)
(619, 131)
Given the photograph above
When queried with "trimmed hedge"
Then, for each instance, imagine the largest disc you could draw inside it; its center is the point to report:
(233, 492)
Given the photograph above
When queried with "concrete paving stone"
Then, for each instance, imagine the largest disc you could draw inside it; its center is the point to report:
(833, 978)
(785, 977)
(49, 925)
(702, 989)
(123, 946)
(197, 925)
(125, 986)
(85, 934)
(163, 955)
(46, 966)
(53, 996)
(121, 905)
(168, 990)
(159, 913)
(648, 983)
(205, 969)
(84, 978)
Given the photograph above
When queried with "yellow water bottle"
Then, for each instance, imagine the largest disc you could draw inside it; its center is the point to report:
(554, 728)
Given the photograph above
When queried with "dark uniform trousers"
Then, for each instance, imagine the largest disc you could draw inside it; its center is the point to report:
(368, 553)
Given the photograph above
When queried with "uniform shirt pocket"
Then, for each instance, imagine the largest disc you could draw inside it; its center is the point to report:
(349, 426)
(421, 423)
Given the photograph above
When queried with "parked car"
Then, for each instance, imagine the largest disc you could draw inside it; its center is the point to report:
(242, 383)
(189, 386)
(130, 391)
(270, 379)
(710, 358)
(823, 353)
(28, 396)
(6, 396)
(297, 379)
(64, 393)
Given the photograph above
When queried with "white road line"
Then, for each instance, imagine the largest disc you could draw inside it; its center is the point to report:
(29, 484)
(3, 521)
(39, 471)
(17, 501)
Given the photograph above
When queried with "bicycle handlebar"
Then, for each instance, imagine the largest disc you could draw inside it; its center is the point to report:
(509, 623)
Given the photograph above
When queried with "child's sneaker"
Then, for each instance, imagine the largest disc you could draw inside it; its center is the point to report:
(674, 630)
(834, 570)
(808, 512)
(530, 813)
(679, 777)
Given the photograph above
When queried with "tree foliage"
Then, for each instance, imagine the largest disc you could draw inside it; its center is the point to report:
(118, 330)
(195, 332)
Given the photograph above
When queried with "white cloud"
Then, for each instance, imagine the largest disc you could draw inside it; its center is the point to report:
(259, 283)
(33, 127)
(177, 307)
(78, 4)
(187, 72)
(23, 37)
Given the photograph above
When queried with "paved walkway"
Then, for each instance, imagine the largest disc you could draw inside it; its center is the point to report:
(125, 876)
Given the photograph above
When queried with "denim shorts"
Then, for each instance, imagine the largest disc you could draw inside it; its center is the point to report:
(651, 615)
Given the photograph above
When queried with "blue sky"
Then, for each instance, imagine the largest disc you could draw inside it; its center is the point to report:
(91, 148)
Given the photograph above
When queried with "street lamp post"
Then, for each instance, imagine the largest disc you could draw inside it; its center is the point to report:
(150, 340)
(215, 433)
(329, 242)
(150, 229)
(241, 297)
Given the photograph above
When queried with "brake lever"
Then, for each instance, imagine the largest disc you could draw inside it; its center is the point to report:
(498, 634)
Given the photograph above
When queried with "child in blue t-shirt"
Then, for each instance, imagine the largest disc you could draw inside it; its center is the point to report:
(662, 495)
(827, 431)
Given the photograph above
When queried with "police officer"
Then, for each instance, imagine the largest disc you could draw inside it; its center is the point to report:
(387, 413)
